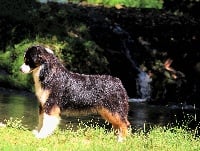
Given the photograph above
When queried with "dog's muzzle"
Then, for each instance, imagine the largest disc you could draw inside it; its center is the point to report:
(25, 68)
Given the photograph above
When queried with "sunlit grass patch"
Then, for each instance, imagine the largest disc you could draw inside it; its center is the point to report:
(15, 123)
(94, 137)
(169, 139)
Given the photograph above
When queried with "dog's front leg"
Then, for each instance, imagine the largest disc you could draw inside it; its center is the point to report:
(40, 123)
(49, 124)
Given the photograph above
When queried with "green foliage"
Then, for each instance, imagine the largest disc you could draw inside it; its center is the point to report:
(4, 60)
(83, 57)
(67, 36)
(76, 53)
(11, 61)
(128, 3)
(18, 79)
(151, 4)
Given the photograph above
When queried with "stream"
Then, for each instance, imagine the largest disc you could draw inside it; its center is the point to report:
(24, 105)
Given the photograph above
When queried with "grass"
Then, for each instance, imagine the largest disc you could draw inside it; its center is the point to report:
(96, 138)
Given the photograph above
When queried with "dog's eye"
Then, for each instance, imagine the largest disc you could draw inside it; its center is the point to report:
(26, 60)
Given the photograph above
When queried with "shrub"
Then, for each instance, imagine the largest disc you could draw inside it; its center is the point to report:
(78, 55)
(128, 3)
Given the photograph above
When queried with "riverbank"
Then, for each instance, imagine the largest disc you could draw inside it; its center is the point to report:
(16, 137)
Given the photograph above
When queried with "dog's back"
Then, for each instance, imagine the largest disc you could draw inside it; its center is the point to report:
(95, 91)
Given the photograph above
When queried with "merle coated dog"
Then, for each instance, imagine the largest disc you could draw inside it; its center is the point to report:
(59, 90)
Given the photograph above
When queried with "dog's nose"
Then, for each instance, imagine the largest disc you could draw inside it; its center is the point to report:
(25, 68)
(21, 69)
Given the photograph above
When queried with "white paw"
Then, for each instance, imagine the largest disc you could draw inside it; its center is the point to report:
(35, 132)
(120, 139)
(39, 134)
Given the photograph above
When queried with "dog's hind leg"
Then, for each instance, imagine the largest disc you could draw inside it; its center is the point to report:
(49, 122)
(121, 130)
(120, 126)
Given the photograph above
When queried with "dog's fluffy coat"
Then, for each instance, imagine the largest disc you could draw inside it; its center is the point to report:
(58, 90)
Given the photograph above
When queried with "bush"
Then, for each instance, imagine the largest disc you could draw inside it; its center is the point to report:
(128, 3)
(78, 55)
(11, 61)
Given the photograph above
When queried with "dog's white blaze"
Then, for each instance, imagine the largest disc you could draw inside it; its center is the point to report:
(25, 68)
(49, 50)
(49, 124)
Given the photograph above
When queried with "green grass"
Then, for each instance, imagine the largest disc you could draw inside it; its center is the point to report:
(95, 138)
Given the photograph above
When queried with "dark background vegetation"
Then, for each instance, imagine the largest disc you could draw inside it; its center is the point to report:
(82, 36)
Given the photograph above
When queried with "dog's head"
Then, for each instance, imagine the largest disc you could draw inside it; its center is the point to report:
(34, 57)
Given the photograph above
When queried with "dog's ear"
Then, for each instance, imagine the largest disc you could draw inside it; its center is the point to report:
(42, 49)
(49, 50)
(39, 54)
(45, 55)
(36, 53)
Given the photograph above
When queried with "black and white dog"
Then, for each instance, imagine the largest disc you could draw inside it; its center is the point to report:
(59, 90)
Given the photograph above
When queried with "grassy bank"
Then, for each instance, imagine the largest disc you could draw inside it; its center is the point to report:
(16, 137)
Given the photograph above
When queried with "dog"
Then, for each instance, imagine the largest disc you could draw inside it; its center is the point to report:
(59, 90)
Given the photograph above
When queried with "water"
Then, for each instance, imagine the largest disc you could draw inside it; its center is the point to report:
(143, 80)
(143, 85)
(14, 105)
(20, 105)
